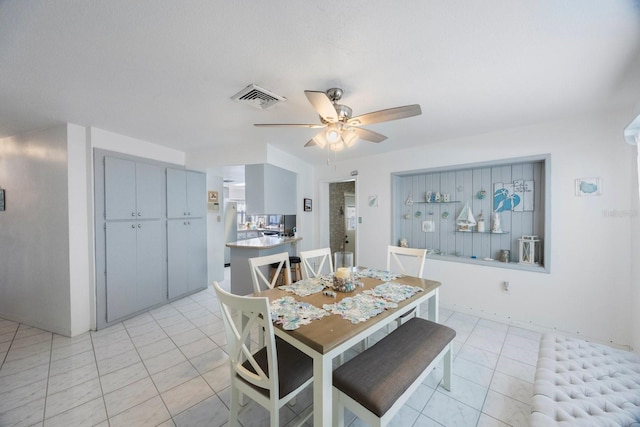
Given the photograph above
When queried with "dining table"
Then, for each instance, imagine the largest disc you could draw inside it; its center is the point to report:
(329, 336)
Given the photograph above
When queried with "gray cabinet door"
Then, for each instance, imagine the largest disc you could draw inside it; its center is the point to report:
(176, 193)
(197, 258)
(177, 257)
(121, 269)
(148, 191)
(119, 188)
(196, 194)
(150, 263)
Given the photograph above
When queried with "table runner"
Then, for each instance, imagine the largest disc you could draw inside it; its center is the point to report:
(392, 291)
(359, 308)
(306, 287)
(291, 314)
(385, 276)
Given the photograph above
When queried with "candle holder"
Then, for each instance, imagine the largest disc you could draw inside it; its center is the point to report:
(343, 280)
(344, 284)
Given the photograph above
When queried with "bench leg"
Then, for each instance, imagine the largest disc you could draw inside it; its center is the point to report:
(448, 360)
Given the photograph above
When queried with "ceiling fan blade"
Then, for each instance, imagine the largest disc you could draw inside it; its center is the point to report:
(386, 115)
(323, 105)
(369, 135)
(290, 125)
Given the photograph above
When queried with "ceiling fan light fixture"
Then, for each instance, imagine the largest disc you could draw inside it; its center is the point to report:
(332, 135)
(337, 146)
(349, 136)
(320, 140)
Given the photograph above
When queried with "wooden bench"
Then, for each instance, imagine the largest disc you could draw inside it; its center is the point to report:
(376, 383)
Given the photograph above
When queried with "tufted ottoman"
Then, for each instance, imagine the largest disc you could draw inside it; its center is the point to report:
(578, 383)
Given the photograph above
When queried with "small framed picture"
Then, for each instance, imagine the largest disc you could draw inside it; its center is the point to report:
(1, 200)
(373, 201)
(213, 196)
(307, 205)
(588, 187)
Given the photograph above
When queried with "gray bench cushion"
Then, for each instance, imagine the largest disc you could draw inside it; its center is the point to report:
(378, 376)
(579, 383)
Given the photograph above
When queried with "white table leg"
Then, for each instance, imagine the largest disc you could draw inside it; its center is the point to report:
(434, 304)
(322, 390)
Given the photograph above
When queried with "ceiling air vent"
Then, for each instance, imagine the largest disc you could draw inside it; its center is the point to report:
(258, 97)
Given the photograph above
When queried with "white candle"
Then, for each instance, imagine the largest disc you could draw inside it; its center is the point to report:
(342, 273)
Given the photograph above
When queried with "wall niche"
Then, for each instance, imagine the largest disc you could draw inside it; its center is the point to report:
(427, 203)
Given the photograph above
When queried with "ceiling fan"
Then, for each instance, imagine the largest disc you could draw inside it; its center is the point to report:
(340, 130)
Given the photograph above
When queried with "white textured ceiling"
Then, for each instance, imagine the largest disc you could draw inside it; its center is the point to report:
(164, 70)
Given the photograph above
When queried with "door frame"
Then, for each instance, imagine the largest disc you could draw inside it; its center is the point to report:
(324, 224)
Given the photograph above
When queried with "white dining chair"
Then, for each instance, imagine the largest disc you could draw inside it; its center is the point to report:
(260, 281)
(316, 262)
(275, 374)
(398, 261)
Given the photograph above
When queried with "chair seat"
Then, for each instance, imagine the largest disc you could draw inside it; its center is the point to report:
(294, 367)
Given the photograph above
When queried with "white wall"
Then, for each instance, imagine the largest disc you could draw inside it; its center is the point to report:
(136, 147)
(34, 230)
(588, 290)
(215, 228)
(80, 247)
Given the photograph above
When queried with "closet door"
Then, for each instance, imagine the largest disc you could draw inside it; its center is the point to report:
(176, 193)
(148, 191)
(197, 267)
(196, 194)
(150, 263)
(121, 268)
(177, 257)
(119, 188)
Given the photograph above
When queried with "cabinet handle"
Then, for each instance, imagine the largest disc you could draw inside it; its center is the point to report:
(188, 222)
(139, 225)
(133, 226)
(189, 213)
(139, 214)
(185, 214)
(185, 223)
(133, 214)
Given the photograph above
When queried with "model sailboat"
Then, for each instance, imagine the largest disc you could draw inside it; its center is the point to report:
(465, 220)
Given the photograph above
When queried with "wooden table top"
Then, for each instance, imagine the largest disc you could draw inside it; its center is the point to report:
(326, 333)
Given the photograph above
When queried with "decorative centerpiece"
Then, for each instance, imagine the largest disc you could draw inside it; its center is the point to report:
(342, 280)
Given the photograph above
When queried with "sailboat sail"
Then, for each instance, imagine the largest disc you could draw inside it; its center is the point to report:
(465, 220)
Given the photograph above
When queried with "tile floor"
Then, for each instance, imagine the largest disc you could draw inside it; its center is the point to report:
(168, 367)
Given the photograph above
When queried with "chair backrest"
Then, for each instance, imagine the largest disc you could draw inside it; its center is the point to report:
(260, 281)
(398, 259)
(318, 258)
(241, 315)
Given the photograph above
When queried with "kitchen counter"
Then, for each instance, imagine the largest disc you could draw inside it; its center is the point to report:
(241, 251)
(265, 242)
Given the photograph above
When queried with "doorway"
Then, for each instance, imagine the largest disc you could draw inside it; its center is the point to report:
(342, 216)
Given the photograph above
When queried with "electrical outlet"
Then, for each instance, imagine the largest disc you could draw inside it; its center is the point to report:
(505, 286)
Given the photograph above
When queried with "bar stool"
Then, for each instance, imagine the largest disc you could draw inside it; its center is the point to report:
(296, 271)
(281, 278)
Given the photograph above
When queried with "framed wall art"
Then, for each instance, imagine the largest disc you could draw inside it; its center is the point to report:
(307, 205)
(588, 187)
